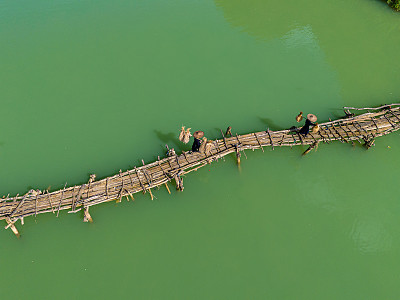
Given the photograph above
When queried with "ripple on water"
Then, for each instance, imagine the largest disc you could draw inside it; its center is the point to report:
(370, 236)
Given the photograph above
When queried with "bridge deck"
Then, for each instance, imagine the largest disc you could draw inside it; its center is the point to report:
(362, 128)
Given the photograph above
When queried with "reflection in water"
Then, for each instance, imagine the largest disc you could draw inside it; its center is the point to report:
(356, 48)
(370, 236)
(301, 37)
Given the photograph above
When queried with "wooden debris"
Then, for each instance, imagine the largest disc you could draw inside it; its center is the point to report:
(12, 226)
(87, 217)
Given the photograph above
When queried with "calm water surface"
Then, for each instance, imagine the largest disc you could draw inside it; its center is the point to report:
(94, 87)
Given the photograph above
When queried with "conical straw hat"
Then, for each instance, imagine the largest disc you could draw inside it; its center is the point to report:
(198, 134)
(312, 118)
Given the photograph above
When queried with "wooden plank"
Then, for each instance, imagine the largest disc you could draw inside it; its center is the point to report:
(140, 182)
(240, 143)
(49, 198)
(36, 204)
(107, 187)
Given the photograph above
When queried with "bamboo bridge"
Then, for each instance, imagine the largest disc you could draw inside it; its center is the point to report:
(360, 124)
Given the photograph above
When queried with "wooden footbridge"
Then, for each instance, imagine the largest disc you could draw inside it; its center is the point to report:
(360, 124)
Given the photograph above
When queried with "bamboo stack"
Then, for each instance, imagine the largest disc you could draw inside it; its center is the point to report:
(363, 128)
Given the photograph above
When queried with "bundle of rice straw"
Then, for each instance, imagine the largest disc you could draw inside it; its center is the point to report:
(187, 136)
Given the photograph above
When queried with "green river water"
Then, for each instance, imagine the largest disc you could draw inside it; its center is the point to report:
(96, 86)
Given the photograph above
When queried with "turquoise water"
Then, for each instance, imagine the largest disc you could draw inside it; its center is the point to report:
(94, 87)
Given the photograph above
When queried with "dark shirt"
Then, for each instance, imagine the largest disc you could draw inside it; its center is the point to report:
(196, 145)
(306, 128)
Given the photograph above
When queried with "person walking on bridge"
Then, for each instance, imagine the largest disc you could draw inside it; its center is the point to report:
(196, 144)
(309, 121)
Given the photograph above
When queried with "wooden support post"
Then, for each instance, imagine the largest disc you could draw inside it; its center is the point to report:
(312, 146)
(130, 195)
(177, 161)
(389, 110)
(270, 138)
(259, 143)
(281, 141)
(358, 124)
(333, 133)
(87, 217)
(347, 134)
(62, 196)
(300, 138)
(294, 139)
(223, 136)
(12, 226)
(240, 144)
(151, 195)
(352, 132)
(166, 185)
(373, 121)
(217, 146)
(49, 199)
(387, 119)
(315, 140)
(322, 137)
(121, 192)
(369, 142)
(238, 155)
(327, 134)
(19, 205)
(140, 182)
(78, 197)
(131, 180)
(228, 131)
(179, 182)
(338, 132)
(162, 169)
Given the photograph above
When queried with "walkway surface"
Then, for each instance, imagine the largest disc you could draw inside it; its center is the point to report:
(364, 128)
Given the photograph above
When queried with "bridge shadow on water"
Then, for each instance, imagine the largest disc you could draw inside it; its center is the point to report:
(170, 139)
(271, 124)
